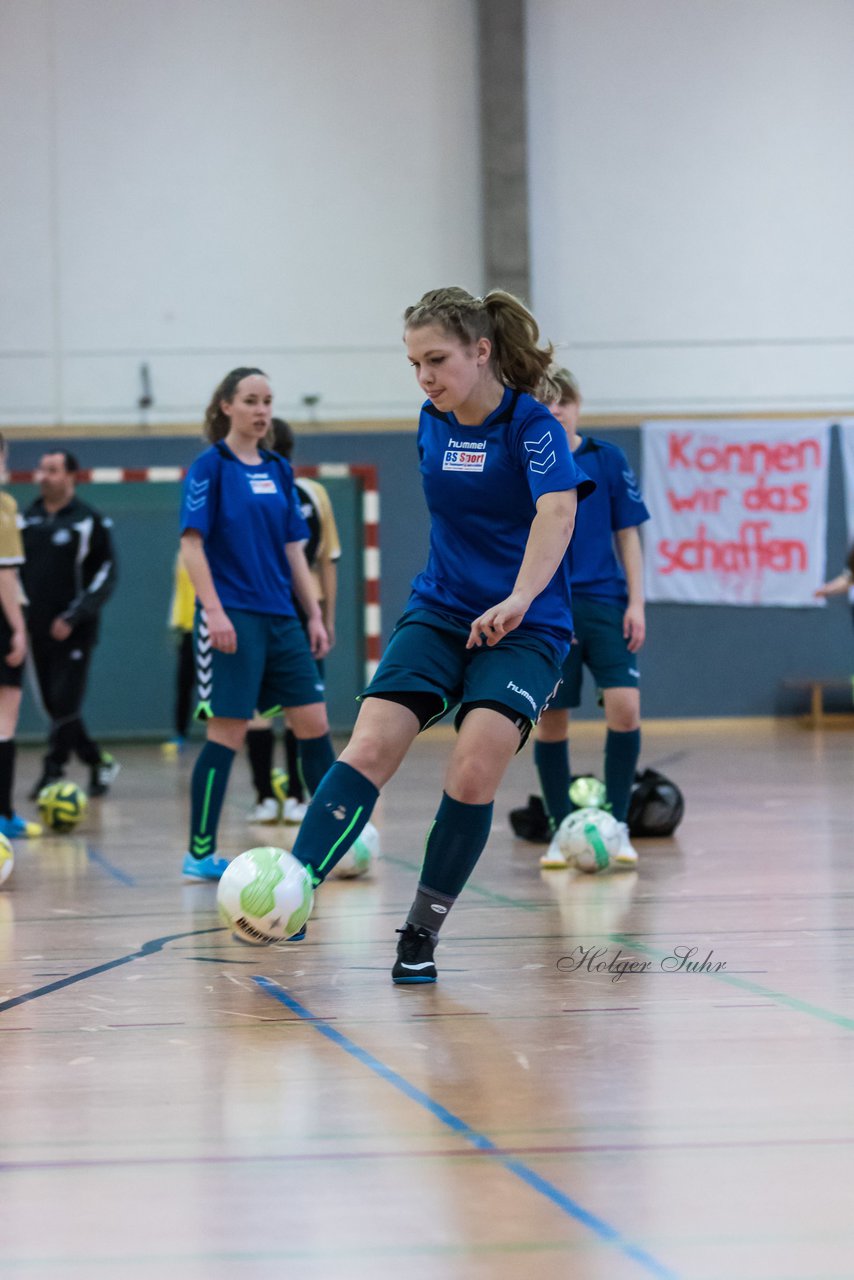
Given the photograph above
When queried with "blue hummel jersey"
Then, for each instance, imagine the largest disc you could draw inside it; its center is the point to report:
(482, 484)
(594, 566)
(245, 515)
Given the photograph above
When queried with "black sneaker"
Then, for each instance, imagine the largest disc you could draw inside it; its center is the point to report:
(102, 774)
(532, 822)
(414, 961)
(46, 779)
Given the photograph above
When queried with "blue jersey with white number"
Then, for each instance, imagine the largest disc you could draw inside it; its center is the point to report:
(245, 514)
(482, 484)
(594, 568)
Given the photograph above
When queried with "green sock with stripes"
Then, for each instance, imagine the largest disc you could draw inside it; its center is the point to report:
(207, 792)
(341, 806)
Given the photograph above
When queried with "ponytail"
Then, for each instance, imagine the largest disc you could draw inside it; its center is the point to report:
(518, 360)
(500, 317)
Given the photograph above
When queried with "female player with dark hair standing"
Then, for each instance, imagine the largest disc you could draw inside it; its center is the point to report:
(242, 539)
(488, 623)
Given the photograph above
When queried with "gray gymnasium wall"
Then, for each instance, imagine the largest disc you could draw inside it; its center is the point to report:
(698, 661)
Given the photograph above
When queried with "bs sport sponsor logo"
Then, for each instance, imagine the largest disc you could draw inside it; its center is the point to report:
(541, 453)
(260, 482)
(464, 455)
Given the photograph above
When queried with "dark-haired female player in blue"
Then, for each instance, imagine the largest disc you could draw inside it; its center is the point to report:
(242, 537)
(488, 623)
(610, 626)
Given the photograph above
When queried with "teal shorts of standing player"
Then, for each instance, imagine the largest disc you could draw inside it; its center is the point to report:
(427, 654)
(600, 646)
(271, 669)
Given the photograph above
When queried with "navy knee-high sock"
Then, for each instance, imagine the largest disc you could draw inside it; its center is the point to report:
(455, 841)
(342, 804)
(259, 747)
(552, 764)
(622, 751)
(316, 758)
(7, 776)
(207, 791)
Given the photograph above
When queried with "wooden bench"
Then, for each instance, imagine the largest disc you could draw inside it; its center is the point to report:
(817, 686)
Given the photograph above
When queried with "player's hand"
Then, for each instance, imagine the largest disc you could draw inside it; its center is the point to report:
(318, 640)
(222, 633)
(17, 649)
(634, 627)
(60, 629)
(497, 622)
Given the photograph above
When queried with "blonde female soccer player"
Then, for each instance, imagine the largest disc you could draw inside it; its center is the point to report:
(488, 623)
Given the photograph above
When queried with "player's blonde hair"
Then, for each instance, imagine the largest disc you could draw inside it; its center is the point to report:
(517, 359)
(216, 422)
(558, 386)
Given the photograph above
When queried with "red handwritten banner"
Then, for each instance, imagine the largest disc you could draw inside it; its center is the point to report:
(738, 511)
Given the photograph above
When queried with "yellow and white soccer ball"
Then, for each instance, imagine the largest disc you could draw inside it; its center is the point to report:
(265, 895)
(590, 839)
(359, 858)
(7, 859)
(587, 792)
(62, 805)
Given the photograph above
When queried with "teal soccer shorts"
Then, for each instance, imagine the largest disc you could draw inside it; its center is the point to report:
(599, 645)
(272, 668)
(427, 655)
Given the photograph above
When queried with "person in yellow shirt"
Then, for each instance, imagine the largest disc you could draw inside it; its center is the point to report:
(181, 614)
(13, 648)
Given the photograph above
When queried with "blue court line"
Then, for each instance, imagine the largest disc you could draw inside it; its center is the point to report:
(98, 858)
(605, 1232)
(147, 949)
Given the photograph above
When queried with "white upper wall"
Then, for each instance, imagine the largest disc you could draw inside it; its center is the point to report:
(201, 183)
(692, 187)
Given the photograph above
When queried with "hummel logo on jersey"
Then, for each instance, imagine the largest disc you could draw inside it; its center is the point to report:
(464, 455)
(632, 486)
(198, 495)
(542, 461)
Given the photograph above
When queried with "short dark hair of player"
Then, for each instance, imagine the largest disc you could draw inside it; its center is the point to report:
(517, 360)
(216, 423)
(282, 438)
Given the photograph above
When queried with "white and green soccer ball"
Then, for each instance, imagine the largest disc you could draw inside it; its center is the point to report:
(590, 839)
(265, 895)
(360, 857)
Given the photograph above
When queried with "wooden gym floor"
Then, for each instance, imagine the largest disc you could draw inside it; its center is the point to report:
(175, 1104)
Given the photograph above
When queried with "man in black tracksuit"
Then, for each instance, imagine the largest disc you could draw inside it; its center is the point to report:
(69, 573)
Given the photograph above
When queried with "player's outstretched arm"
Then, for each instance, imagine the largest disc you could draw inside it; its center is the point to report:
(548, 539)
(634, 618)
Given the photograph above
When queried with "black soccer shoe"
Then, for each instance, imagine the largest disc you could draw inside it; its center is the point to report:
(414, 961)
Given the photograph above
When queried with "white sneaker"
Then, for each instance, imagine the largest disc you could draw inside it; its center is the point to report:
(554, 859)
(293, 812)
(265, 811)
(626, 857)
